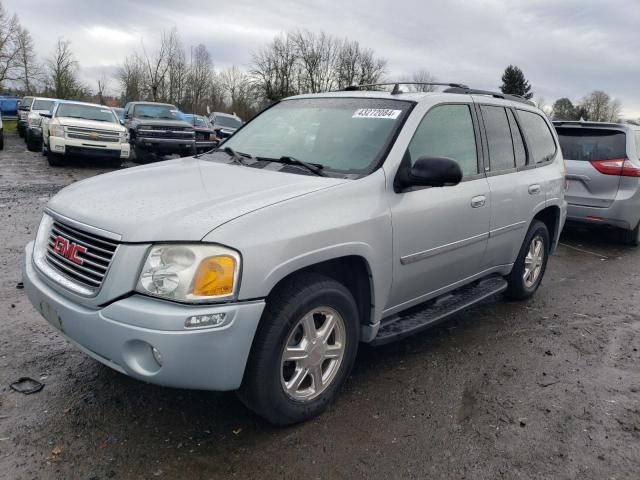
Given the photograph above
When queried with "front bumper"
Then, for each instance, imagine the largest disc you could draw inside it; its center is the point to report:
(88, 147)
(121, 334)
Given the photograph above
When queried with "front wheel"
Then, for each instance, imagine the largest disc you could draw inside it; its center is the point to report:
(527, 272)
(55, 159)
(303, 351)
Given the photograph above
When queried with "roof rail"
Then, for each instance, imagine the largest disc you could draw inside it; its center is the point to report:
(505, 96)
(396, 86)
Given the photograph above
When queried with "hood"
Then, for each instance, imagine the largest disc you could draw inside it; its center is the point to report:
(162, 122)
(178, 200)
(80, 122)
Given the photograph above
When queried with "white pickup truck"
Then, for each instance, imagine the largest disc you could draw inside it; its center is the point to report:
(83, 129)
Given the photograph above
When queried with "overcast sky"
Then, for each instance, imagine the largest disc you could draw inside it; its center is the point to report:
(565, 48)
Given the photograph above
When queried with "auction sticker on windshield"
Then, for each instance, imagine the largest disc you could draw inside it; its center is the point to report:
(376, 113)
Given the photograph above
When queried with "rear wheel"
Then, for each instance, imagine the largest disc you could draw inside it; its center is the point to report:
(529, 268)
(303, 351)
(631, 237)
(33, 145)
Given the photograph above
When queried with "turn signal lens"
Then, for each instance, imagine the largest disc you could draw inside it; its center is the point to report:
(215, 276)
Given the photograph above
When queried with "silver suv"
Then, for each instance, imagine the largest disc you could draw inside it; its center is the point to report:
(603, 175)
(326, 221)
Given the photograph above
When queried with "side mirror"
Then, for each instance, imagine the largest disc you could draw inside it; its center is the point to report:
(432, 172)
(121, 121)
(46, 114)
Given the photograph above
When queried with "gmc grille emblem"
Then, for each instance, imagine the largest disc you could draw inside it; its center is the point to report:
(69, 249)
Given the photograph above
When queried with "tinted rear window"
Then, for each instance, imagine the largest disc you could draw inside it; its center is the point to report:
(539, 139)
(26, 102)
(589, 144)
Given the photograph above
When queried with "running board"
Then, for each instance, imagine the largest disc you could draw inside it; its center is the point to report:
(435, 311)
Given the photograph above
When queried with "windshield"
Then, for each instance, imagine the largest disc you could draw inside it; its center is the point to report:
(228, 122)
(42, 105)
(26, 102)
(86, 112)
(160, 112)
(198, 121)
(344, 134)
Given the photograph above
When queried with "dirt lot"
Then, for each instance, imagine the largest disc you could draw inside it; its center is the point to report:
(546, 389)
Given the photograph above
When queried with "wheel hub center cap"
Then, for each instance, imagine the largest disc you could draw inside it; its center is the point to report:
(316, 354)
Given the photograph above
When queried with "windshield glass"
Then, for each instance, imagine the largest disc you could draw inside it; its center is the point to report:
(198, 121)
(87, 112)
(228, 122)
(26, 102)
(344, 134)
(42, 105)
(160, 112)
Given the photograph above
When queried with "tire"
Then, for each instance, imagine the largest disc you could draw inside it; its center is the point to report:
(32, 145)
(2, 142)
(55, 159)
(142, 155)
(263, 388)
(521, 288)
(631, 237)
(189, 151)
(21, 132)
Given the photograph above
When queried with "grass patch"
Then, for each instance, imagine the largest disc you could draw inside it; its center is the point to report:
(10, 125)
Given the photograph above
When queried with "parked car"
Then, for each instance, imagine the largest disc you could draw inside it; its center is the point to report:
(205, 135)
(262, 266)
(603, 175)
(225, 124)
(158, 128)
(33, 134)
(23, 113)
(85, 130)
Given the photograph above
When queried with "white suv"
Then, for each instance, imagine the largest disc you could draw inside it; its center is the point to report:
(83, 129)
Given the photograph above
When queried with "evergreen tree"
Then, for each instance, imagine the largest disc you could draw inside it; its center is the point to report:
(514, 83)
(563, 109)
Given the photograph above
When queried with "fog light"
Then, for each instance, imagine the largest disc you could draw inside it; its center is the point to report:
(208, 320)
(157, 356)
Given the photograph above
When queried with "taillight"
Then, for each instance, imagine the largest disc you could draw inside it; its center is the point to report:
(617, 166)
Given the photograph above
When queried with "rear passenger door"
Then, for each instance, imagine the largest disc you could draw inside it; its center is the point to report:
(517, 189)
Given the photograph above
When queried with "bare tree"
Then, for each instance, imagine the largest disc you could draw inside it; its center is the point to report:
(131, 76)
(29, 69)
(63, 68)
(598, 106)
(239, 91)
(157, 64)
(177, 75)
(9, 45)
(103, 85)
(424, 78)
(317, 55)
(274, 71)
(199, 78)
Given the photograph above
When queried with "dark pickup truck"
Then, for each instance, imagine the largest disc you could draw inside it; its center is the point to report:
(158, 128)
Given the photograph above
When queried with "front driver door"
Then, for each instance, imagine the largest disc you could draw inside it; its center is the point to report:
(440, 234)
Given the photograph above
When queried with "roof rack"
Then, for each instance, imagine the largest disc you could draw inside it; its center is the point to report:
(505, 96)
(453, 88)
(396, 86)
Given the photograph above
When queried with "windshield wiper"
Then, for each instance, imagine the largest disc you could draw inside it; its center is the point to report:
(315, 168)
(237, 157)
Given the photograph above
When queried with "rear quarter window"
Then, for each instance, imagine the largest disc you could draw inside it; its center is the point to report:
(589, 144)
(538, 136)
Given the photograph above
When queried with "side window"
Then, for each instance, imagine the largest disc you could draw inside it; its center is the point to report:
(447, 131)
(518, 142)
(538, 136)
(496, 125)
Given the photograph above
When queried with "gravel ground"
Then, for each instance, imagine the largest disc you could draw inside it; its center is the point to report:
(545, 389)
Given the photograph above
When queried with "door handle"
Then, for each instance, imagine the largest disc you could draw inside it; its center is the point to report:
(534, 189)
(479, 201)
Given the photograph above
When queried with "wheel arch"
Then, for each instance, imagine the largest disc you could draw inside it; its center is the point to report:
(551, 217)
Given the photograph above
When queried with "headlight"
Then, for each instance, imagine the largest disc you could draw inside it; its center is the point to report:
(124, 137)
(34, 120)
(190, 273)
(56, 131)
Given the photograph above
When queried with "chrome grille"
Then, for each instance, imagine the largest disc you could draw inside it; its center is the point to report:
(93, 134)
(95, 261)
